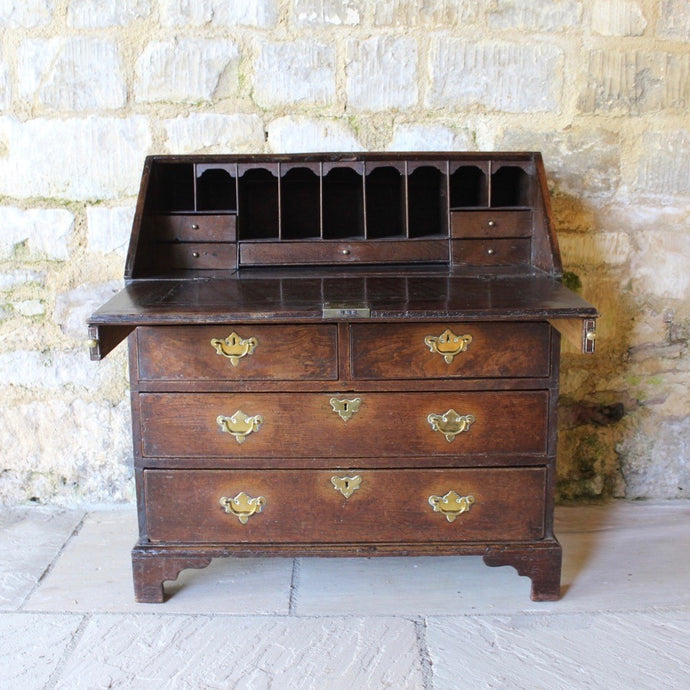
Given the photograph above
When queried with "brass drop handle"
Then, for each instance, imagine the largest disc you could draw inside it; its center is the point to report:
(234, 347)
(242, 506)
(451, 505)
(239, 424)
(448, 345)
(346, 485)
(451, 423)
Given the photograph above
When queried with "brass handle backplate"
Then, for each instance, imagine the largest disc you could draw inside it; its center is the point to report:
(345, 408)
(451, 423)
(346, 485)
(234, 347)
(451, 505)
(239, 424)
(242, 506)
(448, 345)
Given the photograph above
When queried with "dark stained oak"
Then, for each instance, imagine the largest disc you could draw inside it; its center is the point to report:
(287, 396)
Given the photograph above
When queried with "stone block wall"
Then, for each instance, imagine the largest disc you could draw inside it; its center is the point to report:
(89, 87)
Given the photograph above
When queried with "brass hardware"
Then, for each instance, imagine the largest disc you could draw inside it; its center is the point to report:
(345, 310)
(240, 425)
(591, 335)
(242, 506)
(195, 226)
(490, 251)
(195, 255)
(451, 505)
(492, 223)
(91, 343)
(346, 485)
(345, 252)
(448, 344)
(234, 347)
(345, 408)
(450, 424)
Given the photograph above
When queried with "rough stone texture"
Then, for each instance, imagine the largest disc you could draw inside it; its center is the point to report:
(88, 88)
(295, 73)
(93, 14)
(184, 70)
(495, 76)
(327, 12)
(75, 74)
(442, 14)
(636, 82)
(293, 134)
(35, 233)
(674, 20)
(25, 13)
(535, 15)
(109, 228)
(264, 653)
(393, 61)
(211, 133)
(103, 160)
(260, 13)
(618, 18)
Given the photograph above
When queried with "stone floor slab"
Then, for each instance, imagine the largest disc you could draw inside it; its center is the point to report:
(561, 652)
(94, 574)
(153, 651)
(30, 539)
(33, 646)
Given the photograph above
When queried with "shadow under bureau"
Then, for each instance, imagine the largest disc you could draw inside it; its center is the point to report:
(344, 354)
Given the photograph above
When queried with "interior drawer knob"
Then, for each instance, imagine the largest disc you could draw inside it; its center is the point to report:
(346, 485)
(451, 505)
(345, 408)
(242, 506)
(451, 423)
(234, 347)
(448, 345)
(240, 425)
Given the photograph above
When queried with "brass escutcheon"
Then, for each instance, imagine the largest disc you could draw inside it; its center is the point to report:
(346, 485)
(239, 424)
(448, 344)
(234, 347)
(451, 505)
(345, 408)
(450, 424)
(242, 506)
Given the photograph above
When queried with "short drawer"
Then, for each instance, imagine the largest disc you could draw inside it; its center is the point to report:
(195, 228)
(300, 506)
(491, 224)
(450, 350)
(238, 352)
(354, 425)
(492, 252)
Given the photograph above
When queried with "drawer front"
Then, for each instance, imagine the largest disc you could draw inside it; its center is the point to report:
(492, 252)
(238, 352)
(275, 425)
(299, 506)
(448, 350)
(491, 224)
(195, 228)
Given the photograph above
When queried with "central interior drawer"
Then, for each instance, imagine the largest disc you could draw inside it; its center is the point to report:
(274, 425)
(298, 506)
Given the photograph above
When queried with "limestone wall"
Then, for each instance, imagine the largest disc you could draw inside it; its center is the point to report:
(89, 87)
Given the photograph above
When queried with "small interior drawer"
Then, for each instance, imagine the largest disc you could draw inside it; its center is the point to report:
(298, 506)
(492, 252)
(238, 352)
(195, 227)
(491, 224)
(450, 350)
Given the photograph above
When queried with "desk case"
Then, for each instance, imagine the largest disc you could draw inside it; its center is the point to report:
(342, 355)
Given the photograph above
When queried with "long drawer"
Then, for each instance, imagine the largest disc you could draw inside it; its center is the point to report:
(238, 352)
(450, 350)
(246, 425)
(331, 506)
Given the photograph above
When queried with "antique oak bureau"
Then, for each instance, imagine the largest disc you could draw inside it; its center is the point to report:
(344, 354)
